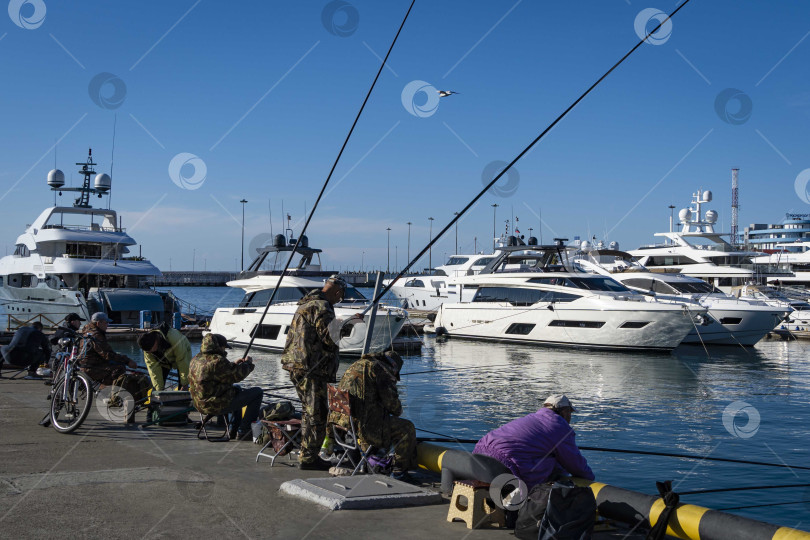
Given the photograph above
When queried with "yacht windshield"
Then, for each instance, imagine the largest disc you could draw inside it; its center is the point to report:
(692, 287)
(598, 284)
(293, 294)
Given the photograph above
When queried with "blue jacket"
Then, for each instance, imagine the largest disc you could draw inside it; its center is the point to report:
(533, 446)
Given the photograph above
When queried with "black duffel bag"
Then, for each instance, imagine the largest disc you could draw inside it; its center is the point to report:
(570, 513)
(529, 516)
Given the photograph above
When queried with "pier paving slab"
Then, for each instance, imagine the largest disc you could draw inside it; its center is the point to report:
(111, 481)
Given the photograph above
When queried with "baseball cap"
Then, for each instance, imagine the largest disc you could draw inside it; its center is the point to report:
(100, 316)
(73, 317)
(558, 401)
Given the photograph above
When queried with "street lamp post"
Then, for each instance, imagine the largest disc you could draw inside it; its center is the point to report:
(430, 252)
(243, 201)
(494, 208)
(362, 260)
(455, 214)
(409, 241)
(388, 260)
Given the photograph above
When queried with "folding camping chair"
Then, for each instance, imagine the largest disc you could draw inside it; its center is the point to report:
(226, 436)
(347, 438)
(287, 441)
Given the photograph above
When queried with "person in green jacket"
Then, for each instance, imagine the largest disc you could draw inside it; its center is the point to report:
(372, 385)
(164, 349)
(211, 383)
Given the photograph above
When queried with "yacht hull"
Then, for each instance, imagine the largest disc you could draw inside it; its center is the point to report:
(730, 326)
(43, 303)
(641, 326)
(237, 324)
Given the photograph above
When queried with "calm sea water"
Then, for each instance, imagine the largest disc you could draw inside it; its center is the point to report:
(751, 404)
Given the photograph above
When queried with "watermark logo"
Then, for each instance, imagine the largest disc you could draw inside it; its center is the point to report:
(733, 412)
(733, 106)
(801, 185)
(649, 18)
(196, 487)
(257, 243)
(107, 91)
(28, 14)
(115, 404)
(508, 492)
(187, 171)
(420, 99)
(503, 187)
(340, 18)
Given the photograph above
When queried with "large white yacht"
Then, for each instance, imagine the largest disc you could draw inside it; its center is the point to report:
(529, 295)
(239, 323)
(698, 251)
(75, 259)
(427, 292)
(795, 264)
(730, 320)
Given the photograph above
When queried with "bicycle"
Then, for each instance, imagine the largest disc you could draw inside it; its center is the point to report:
(72, 391)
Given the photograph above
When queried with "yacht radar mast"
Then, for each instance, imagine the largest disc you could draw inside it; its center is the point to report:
(101, 183)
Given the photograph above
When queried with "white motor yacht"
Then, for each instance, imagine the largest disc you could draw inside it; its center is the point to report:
(76, 259)
(730, 320)
(528, 295)
(796, 264)
(427, 292)
(239, 323)
(698, 251)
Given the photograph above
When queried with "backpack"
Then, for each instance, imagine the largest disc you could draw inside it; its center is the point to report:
(570, 513)
(529, 516)
(283, 410)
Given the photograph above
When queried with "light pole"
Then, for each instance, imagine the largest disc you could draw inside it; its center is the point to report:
(409, 241)
(494, 208)
(396, 258)
(243, 201)
(455, 214)
(671, 214)
(362, 259)
(388, 260)
(193, 259)
(430, 252)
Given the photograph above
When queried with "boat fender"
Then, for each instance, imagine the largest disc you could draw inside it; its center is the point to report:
(441, 330)
(458, 465)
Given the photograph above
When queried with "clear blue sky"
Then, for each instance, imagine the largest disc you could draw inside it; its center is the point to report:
(263, 94)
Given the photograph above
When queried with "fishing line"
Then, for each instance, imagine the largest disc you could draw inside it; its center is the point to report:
(751, 488)
(762, 505)
(519, 156)
(326, 183)
(451, 439)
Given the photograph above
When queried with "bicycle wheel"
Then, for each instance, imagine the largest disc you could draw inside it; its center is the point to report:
(67, 415)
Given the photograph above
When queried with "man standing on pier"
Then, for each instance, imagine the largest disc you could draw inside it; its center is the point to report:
(311, 357)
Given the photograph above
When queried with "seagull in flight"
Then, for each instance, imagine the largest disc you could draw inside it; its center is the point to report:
(445, 93)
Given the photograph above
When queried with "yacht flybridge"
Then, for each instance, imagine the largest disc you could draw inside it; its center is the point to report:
(239, 323)
(698, 251)
(730, 320)
(76, 259)
(528, 294)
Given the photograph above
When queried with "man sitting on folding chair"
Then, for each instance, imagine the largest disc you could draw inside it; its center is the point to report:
(372, 385)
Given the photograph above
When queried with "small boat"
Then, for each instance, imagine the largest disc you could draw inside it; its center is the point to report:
(239, 323)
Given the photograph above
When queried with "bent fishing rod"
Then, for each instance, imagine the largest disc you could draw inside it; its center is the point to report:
(326, 183)
(458, 215)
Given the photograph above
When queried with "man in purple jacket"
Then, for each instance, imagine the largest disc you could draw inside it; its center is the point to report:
(537, 446)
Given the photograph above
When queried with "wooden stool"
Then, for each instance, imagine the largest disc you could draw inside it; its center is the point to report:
(469, 503)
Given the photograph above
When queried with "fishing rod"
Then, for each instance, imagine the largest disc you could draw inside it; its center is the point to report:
(447, 439)
(326, 183)
(519, 156)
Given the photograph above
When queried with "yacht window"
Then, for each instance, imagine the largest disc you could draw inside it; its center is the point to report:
(662, 287)
(454, 261)
(598, 283)
(577, 324)
(731, 320)
(520, 297)
(520, 328)
(436, 284)
(669, 260)
(415, 283)
(634, 324)
(558, 281)
(483, 262)
(692, 287)
(639, 283)
(268, 331)
(22, 251)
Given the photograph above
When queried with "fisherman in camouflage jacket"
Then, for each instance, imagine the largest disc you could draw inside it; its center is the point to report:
(211, 383)
(311, 357)
(374, 401)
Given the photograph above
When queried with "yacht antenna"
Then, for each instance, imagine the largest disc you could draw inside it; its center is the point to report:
(112, 161)
(542, 134)
(329, 177)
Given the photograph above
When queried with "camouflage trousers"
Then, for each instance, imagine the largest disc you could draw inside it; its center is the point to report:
(314, 411)
(399, 433)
